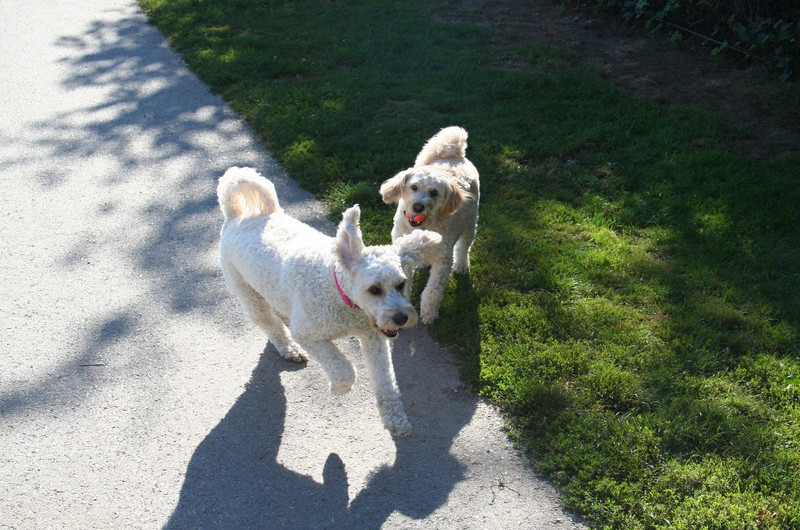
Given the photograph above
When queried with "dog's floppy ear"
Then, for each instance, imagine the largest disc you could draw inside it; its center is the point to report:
(392, 189)
(454, 199)
(349, 243)
(420, 246)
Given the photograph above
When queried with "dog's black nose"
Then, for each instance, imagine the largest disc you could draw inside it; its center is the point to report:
(400, 318)
(418, 207)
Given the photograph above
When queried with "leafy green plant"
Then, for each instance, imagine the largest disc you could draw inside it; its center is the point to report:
(764, 32)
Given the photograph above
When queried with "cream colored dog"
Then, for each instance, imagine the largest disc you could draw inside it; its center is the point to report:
(440, 193)
(305, 289)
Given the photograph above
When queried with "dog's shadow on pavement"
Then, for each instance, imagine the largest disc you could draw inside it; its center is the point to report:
(234, 479)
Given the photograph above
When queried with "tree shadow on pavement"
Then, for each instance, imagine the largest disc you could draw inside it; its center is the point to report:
(143, 142)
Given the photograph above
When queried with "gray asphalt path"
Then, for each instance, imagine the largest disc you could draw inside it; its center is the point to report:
(133, 393)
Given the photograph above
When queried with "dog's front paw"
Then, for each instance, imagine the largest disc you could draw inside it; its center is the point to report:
(461, 268)
(429, 304)
(428, 316)
(400, 427)
(394, 417)
(297, 354)
(340, 388)
(292, 352)
(299, 358)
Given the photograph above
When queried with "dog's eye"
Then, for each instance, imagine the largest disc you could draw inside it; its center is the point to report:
(401, 285)
(434, 193)
(413, 187)
(375, 290)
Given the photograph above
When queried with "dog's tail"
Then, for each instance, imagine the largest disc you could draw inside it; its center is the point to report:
(450, 142)
(243, 193)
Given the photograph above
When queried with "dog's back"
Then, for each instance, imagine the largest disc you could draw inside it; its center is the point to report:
(450, 142)
(243, 193)
(261, 247)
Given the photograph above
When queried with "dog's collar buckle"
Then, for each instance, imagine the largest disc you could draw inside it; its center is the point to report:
(341, 293)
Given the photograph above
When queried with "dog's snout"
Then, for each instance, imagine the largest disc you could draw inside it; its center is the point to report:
(417, 207)
(400, 318)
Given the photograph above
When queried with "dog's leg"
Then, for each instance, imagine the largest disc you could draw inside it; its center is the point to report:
(261, 313)
(409, 271)
(461, 251)
(340, 371)
(278, 333)
(378, 359)
(398, 231)
(434, 290)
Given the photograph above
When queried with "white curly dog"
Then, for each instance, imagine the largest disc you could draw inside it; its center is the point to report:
(305, 289)
(440, 193)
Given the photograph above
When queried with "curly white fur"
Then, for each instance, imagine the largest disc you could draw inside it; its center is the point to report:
(285, 273)
(440, 193)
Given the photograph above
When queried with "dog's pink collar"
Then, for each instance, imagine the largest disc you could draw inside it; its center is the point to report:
(341, 293)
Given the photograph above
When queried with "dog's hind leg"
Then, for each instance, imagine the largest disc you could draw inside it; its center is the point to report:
(340, 371)
(262, 314)
(378, 359)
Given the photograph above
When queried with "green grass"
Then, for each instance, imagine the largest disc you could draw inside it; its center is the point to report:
(635, 295)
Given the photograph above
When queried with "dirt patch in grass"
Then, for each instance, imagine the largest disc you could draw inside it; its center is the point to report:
(765, 113)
